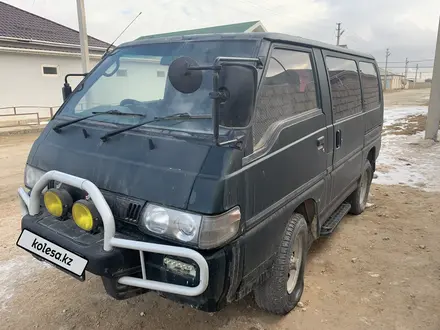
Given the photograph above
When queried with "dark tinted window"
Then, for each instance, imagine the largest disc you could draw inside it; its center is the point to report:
(121, 73)
(370, 85)
(287, 90)
(50, 70)
(345, 87)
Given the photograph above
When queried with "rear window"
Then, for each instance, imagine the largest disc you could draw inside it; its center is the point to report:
(370, 85)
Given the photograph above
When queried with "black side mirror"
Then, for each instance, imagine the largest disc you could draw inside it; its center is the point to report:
(238, 84)
(66, 90)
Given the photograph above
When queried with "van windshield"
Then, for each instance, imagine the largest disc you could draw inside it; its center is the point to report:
(134, 79)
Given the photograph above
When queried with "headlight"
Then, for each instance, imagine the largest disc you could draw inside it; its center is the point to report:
(171, 223)
(203, 231)
(32, 175)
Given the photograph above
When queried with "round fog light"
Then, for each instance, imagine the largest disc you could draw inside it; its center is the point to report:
(57, 202)
(85, 215)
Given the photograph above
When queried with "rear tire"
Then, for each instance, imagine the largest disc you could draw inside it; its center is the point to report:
(359, 197)
(283, 290)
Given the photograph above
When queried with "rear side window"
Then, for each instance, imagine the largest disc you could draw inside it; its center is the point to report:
(370, 85)
(345, 87)
(288, 89)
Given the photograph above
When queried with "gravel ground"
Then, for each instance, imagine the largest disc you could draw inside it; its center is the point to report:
(379, 270)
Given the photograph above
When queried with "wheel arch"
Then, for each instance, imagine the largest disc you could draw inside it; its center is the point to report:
(371, 157)
(309, 210)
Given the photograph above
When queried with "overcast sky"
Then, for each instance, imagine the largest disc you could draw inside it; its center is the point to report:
(407, 27)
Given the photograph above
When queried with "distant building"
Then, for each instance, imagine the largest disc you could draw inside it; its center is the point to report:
(393, 81)
(35, 55)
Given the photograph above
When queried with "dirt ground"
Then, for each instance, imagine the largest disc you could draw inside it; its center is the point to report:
(407, 97)
(379, 270)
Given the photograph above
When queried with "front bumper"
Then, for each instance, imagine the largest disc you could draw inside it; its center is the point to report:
(109, 254)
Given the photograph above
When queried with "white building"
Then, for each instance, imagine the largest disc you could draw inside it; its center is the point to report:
(394, 81)
(35, 55)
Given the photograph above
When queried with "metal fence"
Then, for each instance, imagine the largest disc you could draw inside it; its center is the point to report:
(25, 115)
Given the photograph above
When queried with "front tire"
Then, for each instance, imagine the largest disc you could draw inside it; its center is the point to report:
(283, 290)
(359, 197)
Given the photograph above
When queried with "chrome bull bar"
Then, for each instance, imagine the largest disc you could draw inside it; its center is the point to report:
(30, 204)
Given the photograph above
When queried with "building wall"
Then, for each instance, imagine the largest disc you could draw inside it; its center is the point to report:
(22, 82)
(136, 79)
(394, 82)
(419, 85)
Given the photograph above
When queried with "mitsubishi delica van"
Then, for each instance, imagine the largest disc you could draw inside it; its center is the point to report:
(203, 167)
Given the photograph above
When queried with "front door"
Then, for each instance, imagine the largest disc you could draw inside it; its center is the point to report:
(289, 131)
(348, 124)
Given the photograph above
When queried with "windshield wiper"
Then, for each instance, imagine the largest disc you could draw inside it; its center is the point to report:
(57, 128)
(181, 115)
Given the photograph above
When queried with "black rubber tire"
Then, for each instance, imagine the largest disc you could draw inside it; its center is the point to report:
(272, 295)
(357, 201)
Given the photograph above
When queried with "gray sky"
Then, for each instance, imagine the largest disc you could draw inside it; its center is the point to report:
(407, 27)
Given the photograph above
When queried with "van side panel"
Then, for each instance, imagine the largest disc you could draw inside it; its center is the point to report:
(326, 108)
(348, 122)
(287, 172)
(373, 118)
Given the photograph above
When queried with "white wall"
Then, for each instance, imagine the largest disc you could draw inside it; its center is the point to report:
(23, 83)
(142, 82)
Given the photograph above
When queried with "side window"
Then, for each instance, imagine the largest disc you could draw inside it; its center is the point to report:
(287, 90)
(370, 85)
(345, 87)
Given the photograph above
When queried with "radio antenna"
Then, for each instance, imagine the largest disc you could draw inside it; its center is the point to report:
(111, 45)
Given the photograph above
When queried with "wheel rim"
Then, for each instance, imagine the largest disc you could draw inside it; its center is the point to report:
(295, 264)
(364, 188)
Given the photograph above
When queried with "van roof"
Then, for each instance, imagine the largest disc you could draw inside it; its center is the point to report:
(250, 36)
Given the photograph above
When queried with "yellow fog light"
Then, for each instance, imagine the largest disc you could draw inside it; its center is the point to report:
(85, 215)
(57, 202)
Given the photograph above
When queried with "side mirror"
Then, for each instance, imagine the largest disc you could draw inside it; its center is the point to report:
(238, 82)
(184, 80)
(66, 90)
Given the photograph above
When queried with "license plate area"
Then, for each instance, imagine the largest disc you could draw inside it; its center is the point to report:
(58, 256)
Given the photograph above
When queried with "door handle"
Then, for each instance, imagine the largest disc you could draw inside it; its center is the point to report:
(338, 139)
(320, 143)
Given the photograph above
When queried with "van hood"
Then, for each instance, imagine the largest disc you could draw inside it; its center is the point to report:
(156, 169)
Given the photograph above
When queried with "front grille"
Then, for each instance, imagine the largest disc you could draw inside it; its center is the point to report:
(133, 212)
(124, 208)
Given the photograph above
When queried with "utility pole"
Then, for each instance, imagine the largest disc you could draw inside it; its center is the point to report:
(406, 72)
(433, 120)
(387, 54)
(406, 68)
(339, 33)
(415, 78)
(83, 39)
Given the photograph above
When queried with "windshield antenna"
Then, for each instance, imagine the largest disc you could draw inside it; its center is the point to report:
(111, 45)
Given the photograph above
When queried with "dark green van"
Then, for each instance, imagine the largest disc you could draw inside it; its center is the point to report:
(203, 167)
